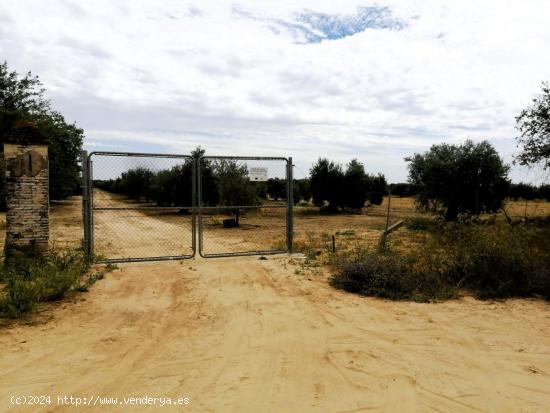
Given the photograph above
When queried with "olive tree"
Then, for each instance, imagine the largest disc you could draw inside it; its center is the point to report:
(452, 179)
(234, 186)
(326, 184)
(534, 125)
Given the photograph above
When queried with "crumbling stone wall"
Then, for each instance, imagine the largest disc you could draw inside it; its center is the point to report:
(27, 188)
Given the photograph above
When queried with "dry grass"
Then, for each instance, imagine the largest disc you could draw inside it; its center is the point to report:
(313, 231)
(527, 209)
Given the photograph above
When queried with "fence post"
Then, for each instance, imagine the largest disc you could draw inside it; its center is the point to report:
(290, 198)
(194, 203)
(383, 238)
(388, 210)
(86, 204)
(199, 243)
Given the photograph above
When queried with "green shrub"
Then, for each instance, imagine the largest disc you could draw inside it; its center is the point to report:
(63, 271)
(20, 295)
(46, 277)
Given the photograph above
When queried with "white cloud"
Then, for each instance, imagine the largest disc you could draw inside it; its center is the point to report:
(167, 76)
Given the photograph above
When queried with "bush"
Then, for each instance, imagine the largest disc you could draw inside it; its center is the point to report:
(20, 295)
(393, 276)
(28, 281)
(497, 261)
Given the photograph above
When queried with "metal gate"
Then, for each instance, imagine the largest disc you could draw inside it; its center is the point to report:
(139, 206)
(145, 207)
(237, 213)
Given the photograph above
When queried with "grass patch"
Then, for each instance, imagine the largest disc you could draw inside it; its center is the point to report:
(308, 245)
(27, 281)
(422, 224)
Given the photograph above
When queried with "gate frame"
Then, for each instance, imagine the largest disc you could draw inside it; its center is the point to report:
(196, 207)
(289, 207)
(88, 206)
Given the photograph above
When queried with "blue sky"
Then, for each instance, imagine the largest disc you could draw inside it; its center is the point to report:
(373, 80)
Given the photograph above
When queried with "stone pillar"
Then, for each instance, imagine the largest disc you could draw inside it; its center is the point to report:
(27, 189)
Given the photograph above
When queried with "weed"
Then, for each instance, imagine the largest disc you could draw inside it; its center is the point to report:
(46, 277)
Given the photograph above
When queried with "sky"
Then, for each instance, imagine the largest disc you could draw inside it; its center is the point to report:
(376, 81)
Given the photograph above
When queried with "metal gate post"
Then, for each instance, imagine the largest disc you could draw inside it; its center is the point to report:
(290, 209)
(199, 204)
(91, 203)
(194, 204)
(86, 205)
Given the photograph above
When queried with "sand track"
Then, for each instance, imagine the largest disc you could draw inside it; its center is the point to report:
(249, 335)
(127, 232)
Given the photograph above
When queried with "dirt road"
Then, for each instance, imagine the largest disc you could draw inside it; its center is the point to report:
(128, 232)
(250, 335)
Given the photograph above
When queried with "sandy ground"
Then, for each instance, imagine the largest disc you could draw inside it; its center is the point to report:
(251, 335)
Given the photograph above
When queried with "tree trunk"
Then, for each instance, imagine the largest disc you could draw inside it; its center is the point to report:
(237, 214)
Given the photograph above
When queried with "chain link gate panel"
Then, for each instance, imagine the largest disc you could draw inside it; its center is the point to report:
(244, 205)
(139, 207)
(144, 207)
